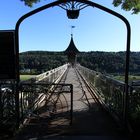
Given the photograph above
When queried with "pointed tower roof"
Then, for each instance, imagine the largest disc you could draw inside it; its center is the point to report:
(71, 48)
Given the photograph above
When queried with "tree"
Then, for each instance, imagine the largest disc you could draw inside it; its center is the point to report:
(30, 2)
(127, 5)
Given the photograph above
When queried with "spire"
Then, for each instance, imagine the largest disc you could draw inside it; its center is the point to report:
(71, 48)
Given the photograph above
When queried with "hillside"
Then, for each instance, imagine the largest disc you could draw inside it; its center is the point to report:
(36, 62)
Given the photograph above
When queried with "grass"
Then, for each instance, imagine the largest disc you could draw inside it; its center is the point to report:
(26, 77)
(131, 78)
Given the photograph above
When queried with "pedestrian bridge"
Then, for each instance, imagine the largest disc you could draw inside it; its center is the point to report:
(68, 102)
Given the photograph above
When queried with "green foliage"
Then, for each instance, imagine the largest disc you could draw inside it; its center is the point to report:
(131, 77)
(105, 62)
(26, 77)
(35, 62)
(110, 62)
(128, 5)
(30, 2)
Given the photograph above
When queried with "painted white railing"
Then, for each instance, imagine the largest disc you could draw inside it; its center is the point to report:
(52, 75)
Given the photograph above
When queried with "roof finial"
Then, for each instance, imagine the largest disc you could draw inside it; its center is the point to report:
(72, 30)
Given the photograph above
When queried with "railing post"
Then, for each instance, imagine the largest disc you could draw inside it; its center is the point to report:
(1, 105)
(21, 101)
(17, 106)
(71, 110)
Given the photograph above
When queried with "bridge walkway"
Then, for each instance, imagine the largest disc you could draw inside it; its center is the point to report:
(90, 120)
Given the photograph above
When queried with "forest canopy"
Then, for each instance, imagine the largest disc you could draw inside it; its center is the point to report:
(106, 62)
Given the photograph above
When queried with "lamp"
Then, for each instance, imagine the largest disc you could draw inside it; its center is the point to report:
(73, 8)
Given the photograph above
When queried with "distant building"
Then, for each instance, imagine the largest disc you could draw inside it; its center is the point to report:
(71, 52)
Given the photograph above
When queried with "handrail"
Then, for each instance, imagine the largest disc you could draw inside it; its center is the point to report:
(134, 106)
(34, 96)
(49, 76)
(57, 71)
(109, 91)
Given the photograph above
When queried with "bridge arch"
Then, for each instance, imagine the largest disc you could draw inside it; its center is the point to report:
(92, 4)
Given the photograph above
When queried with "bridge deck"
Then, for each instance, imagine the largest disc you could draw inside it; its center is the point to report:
(90, 121)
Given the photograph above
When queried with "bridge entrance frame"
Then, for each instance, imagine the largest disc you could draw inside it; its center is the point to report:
(92, 4)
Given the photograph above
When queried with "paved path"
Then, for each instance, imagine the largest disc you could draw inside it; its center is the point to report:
(89, 119)
(80, 102)
(89, 122)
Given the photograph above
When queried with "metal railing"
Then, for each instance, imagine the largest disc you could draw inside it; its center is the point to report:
(33, 97)
(7, 106)
(134, 105)
(52, 75)
(109, 92)
(33, 94)
(39, 96)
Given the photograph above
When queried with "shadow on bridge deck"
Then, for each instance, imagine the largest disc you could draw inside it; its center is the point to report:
(90, 121)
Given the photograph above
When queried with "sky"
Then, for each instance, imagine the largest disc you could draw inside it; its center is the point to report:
(50, 30)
